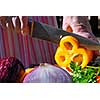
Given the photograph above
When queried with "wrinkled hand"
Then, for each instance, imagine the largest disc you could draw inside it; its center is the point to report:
(24, 24)
(17, 23)
(79, 25)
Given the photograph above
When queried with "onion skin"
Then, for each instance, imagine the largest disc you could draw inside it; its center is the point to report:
(46, 73)
(11, 70)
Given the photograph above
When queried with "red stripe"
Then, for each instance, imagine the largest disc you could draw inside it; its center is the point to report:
(18, 38)
(53, 50)
(22, 47)
(50, 54)
(52, 46)
(28, 51)
(46, 20)
(32, 44)
(52, 19)
(13, 47)
(31, 51)
(7, 42)
(45, 60)
(27, 57)
(25, 52)
(42, 19)
(39, 44)
(41, 47)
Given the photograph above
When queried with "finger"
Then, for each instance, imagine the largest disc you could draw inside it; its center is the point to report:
(18, 25)
(66, 22)
(25, 24)
(20, 18)
(3, 22)
(10, 24)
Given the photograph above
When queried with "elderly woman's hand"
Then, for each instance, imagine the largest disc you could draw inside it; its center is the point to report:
(79, 25)
(17, 23)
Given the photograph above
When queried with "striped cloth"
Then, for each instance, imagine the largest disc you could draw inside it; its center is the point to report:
(27, 49)
(51, 20)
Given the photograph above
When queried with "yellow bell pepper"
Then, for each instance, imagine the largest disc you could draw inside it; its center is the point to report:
(69, 50)
(62, 57)
(69, 43)
(28, 70)
(82, 56)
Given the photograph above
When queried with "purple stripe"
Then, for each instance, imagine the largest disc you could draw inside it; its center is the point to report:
(3, 38)
(2, 43)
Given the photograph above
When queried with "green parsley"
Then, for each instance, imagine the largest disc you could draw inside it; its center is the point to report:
(84, 75)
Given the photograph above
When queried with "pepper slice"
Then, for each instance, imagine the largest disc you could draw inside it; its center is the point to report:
(82, 56)
(62, 57)
(69, 43)
(69, 50)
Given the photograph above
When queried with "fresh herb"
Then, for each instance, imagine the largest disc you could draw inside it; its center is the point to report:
(84, 75)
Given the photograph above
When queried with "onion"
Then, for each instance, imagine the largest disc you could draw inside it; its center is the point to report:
(11, 70)
(47, 73)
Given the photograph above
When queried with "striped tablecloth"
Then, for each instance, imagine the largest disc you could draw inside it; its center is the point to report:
(27, 49)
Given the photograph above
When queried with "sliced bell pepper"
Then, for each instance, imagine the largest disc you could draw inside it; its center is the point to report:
(82, 56)
(69, 43)
(69, 50)
(62, 57)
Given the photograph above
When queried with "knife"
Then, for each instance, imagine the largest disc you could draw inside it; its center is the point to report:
(53, 34)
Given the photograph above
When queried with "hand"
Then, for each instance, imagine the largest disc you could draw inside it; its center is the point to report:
(24, 24)
(21, 24)
(79, 25)
(17, 23)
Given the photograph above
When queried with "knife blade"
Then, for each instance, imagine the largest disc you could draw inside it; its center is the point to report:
(53, 34)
